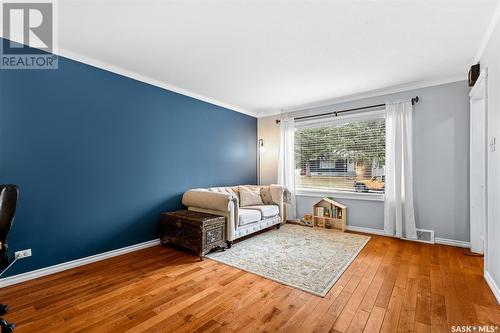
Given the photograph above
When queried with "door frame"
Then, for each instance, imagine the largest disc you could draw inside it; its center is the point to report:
(479, 92)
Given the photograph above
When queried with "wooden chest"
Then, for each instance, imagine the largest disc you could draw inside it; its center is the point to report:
(199, 232)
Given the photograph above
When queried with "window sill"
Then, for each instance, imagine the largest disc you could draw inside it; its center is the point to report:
(320, 193)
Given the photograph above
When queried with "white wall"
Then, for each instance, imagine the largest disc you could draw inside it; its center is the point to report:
(268, 130)
(441, 161)
(491, 60)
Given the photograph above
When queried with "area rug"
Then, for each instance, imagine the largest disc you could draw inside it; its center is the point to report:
(309, 259)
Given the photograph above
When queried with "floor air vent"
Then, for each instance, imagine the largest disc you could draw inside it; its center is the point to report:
(426, 236)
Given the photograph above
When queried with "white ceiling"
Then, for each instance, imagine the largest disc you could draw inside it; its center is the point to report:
(260, 57)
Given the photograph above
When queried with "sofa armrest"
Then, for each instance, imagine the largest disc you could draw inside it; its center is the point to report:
(217, 203)
(205, 199)
(281, 196)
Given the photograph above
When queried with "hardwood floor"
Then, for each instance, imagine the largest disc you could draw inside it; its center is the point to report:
(392, 286)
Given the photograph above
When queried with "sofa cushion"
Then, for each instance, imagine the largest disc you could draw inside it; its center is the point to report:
(249, 196)
(266, 210)
(228, 190)
(247, 216)
(265, 193)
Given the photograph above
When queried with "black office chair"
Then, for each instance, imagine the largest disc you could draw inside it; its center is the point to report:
(9, 195)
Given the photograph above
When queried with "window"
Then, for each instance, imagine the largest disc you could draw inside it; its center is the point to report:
(346, 155)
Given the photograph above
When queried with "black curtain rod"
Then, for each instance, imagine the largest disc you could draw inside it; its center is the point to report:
(414, 101)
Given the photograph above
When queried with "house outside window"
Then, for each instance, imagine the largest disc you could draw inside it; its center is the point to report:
(342, 155)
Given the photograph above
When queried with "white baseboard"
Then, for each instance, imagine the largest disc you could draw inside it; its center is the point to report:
(437, 240)
(10, 280)
(493, 286)
(452, 242)
(366, 230)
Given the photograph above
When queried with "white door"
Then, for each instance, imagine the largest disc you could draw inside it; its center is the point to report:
(478, 148)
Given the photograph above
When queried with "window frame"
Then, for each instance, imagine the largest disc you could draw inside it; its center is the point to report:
(326, 121)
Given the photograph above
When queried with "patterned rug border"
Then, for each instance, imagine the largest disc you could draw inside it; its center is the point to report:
(323, 294)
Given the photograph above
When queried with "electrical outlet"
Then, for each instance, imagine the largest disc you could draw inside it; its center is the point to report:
(22, 254)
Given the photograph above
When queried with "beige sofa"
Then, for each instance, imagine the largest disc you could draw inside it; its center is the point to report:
(241, 221)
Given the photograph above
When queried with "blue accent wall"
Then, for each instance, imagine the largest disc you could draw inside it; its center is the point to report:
(98, 156)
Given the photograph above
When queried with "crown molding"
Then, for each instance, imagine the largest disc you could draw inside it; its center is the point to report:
(487, 34)
(142, 78)
(347, 98)
(367, 94)
(146, 79)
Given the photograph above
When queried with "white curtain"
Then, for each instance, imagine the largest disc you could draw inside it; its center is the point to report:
(286, 161)
(399, 214)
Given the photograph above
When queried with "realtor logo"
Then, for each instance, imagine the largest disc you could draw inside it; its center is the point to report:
(28, 35)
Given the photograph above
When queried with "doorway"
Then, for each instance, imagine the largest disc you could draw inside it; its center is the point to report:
(478, 165)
